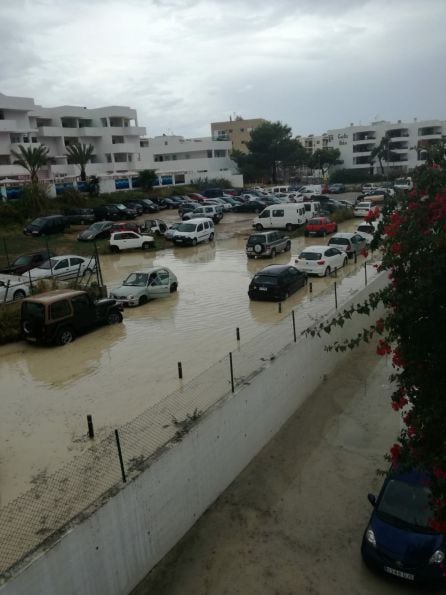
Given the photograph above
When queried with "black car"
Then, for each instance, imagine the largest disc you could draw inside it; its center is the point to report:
(79, 216)
(135, 206)
(160, 202)
(58, 316)
(107, 213)
(276, 282)
(250, 206)
(146, 204)
(126, 212)
(26, 262)
(98, 231)
(173, 202)
(43, 226)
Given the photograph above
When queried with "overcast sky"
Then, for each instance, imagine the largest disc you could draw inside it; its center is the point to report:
(312, 64)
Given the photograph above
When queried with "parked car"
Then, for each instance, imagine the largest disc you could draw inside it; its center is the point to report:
(148, 206)
(107, 213)
(320, 226)
(135, 206)
(25, 262)
(79, 216)
(186, 207)
(160, 202)
(287, 216)
(210, 211)
(351, 243)
(191, 233)
(128, 240)
(98, 231)
(276, 282)
(154, 227)
(250, 206)
(168, 234)
(336, 188)
(43, 226)
(144, 285)
(13, 287)
(367, 230)
(399, 540)
(331, 206)
(173, 202)
(126, 212)
(368, 187)
(196, 196)
(320, 260)
(362, 209)
(125, 226)
(68, 266)
(60, 315)
(267, 243)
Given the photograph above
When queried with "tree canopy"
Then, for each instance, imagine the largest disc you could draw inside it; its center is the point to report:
(147, 178)
(271, 147)
(412, 237)
(32, 159)
(324, 158)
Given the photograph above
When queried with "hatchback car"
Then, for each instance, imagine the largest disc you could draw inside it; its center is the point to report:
(276, 282)
(321, 260)
(65, 267)
(142, 286)
(398, 539)
(13, 288)
(362, 209)
(127, 240)
(98, 231)
(320, 226)
(25, 262)
(267, 243)
(351, 243)
(43, 226)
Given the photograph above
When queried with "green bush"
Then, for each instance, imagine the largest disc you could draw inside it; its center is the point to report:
(11, 214)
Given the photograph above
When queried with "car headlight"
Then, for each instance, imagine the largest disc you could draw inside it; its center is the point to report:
(130, 297)
(370, 537)
(437, 557)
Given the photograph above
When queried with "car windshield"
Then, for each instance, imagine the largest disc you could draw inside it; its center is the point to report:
(38, 221)
(21, 260)
(49, 264)
(96, 227)
(121, 207)
(256, 239)
(266, 280)
(136, 280)
(407, 504)
(186, 227)
(311, 255)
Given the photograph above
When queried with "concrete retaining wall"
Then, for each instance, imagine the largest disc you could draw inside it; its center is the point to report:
(113, 549)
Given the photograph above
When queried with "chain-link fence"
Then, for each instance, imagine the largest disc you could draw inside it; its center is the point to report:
(86, 481)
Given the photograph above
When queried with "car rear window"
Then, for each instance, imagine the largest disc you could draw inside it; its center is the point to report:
(311, 255)
(315, 222)
(366, 228)
(266, 280)
(33, 310)
(256, 239)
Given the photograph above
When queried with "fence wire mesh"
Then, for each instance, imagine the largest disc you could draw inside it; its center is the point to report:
(85, 481)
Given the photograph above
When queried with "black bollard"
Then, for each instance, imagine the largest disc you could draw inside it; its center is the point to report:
(180, 371)
(237, 332)
(90, 426)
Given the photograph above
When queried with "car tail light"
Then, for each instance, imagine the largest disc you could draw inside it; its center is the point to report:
(321, 262)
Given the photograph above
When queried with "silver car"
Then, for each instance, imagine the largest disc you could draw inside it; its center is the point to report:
(142, 286)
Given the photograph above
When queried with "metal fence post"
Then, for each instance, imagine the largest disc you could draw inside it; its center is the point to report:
(121, 461)
(180, 370)
(365, 272)
(336, 295)
(280, 307)
(232, 371)
(237, 333)
(294, 325)
(90, 426)
(311, 287)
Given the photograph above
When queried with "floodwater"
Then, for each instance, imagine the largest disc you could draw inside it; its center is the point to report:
(115, 373)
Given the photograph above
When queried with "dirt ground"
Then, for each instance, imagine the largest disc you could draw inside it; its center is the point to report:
(292, 522)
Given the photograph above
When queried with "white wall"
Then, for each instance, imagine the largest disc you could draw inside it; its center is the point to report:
(113, 549)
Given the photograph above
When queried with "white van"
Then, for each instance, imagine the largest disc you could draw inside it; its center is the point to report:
(311, 190)
(282, 216)
(191, 233)
(311, 209)
(279, 189)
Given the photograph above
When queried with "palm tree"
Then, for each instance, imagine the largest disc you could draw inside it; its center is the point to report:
(382, 151)
(80, 155)
(32, 159)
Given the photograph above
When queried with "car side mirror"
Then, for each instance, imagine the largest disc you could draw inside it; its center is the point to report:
(372, 499)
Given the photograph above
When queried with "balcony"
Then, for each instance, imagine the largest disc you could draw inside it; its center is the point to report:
(87, 131)
(429, 132)
(398, 133)
(366, 148)
(8, 126)
(126, 130)
(364, 136)
(123, 148)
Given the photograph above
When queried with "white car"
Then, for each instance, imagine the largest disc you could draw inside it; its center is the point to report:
(367, 230)
(13, 287)
(142, 286)
(126, 240)
(362, 209)
(64, 267)
(320, 260)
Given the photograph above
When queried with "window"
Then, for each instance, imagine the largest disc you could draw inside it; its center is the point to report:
(80, 302)
(62, 264)
(209, 153)
(200, 227)
(163, 276)
(76, 261)
(15, 138)
(60, 309)
(219, 153)
(278, 213)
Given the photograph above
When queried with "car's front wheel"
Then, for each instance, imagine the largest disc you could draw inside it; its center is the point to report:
(273, 253)
(173, 287)
(345, 261)
(114, 316)
(142, 300)
(289, 227)
(194, 242)
(18, 295)
(211, 237)
(114, 249)
(65, 336)
(259, 227)
(327, 272)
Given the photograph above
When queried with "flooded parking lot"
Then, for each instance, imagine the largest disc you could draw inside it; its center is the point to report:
(115, 373)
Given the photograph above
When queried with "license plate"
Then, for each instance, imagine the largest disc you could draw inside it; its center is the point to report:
(399, 573)
(263, 289)
(179, 241)
(249, 249)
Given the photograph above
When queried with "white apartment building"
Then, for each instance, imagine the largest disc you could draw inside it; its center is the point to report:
(120, 148)
(179, 160)
(409, 141)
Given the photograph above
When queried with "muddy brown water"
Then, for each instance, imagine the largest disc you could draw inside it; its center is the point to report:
(115, 373)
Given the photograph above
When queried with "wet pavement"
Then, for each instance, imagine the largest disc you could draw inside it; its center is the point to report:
(115, 373)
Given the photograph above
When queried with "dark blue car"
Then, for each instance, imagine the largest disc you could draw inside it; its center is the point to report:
(398, 540)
